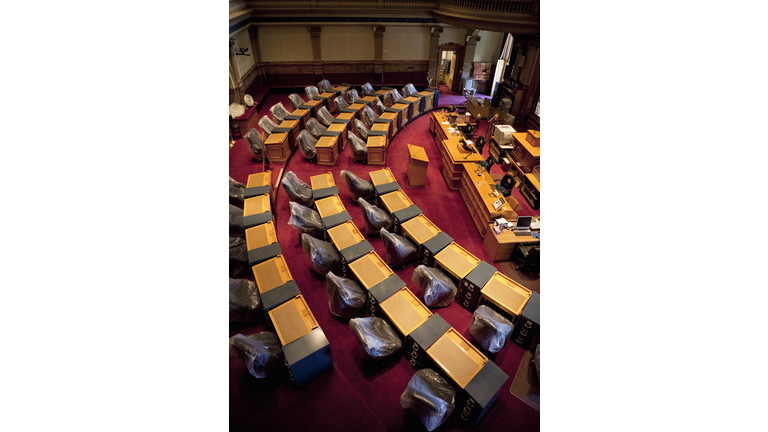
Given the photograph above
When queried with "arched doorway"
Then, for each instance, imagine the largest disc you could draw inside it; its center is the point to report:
(450, 59)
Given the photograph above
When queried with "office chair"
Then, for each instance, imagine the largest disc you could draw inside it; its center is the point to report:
(480, 143)
(526, 256)
(369, 116)
(341, 104)
(359, 148)
(367, 90)
(507, 184)
(307, 145)
(279, 112)
(352, 96)
(469, 132)
(362, 131)
(315, 128)
(324, 116)
(255, 144)
(266, 124)
(296, 101)
(325, 86)
(311, 91)
(379, 106)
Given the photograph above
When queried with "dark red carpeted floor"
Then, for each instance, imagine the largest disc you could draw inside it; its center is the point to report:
(357, 395)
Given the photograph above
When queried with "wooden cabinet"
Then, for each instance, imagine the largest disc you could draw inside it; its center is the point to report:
(278, 148)
(377, 150)
(476, 191)
(327, 151)
(416, 170)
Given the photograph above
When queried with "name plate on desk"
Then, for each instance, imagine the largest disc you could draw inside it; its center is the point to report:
(498, 203)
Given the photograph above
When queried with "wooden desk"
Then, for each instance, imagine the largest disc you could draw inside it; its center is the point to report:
(416, 170)
(478, 200)
(305, 115)
(387, 101)
(523, 152)
(452, 154)
(377, 150)
(394, 125)
(484, 111)
(248, 120)
(415, 106)
(342, 129)
(429, 98)
(278, 148)
(295, 127)
(329, 98)
(358, 107)
(370, 99)
(384, 127)
(314, 105)
(327, 150)
(404, 113)
(530, 189)
(501, 246)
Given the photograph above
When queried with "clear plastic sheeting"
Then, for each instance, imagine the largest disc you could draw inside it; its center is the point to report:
(490, 329)
(437, 288)
(341, 104)
(236, 222)
(311, 91)
(307, 144)
(429, 397)
(358, 146)
(325, 86)
(376, 336)
(304, 220)
(395, 96)
(255, 144)
(297, 190)
(400, 250)
(236, 110)
(315, 128)
(409, 90)
(296, 101)
(387, 98)
(263, 352)
(238, 258)
(352, 96)
(357, 187)
(244, 301)
(324, 116)
(279, 112)
(236, 191)
(379, 106)
(376, 219)
(345, 296)
(323, 255)
(367, 89)
(369, 116)
(266, 124)
(362, 131)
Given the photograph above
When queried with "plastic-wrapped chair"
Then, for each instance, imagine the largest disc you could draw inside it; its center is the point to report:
(323, 255)
(297, 190)
(375, 336)
(387, 99)
(324, 116)
(311, 91)
(238, 258)
(341, 104)
(430, 397)
(400, 250)
(315, 128)
(395, 96)
(357, 187)
(437, 289)
(236, 193)
(375, 219)
(266, 124)
(369, 116)
(255, 144)
(262, 351)
(325, 86)
(352, 96)
(405, 91)
(368, 90)
(362, 130)
(345, 297)
(279, 112)
(307, 144)
(490, 329)
(359, 148)
(236, 222)
(244, 301)
(296, 101)
(409, 90)
(379, 106)
(304, 220)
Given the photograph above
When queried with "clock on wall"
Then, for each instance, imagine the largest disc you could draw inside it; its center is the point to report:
(248, 101)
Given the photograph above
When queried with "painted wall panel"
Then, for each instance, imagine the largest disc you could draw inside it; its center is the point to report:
(339, 43)
(285, 43)
(489, 47)
(407, 43)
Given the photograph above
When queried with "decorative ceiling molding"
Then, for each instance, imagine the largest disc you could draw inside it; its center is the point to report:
(497, 26)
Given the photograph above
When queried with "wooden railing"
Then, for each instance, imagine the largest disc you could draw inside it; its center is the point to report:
(503, 6)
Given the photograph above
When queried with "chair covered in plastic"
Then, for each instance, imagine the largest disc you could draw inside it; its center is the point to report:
(296, 101)
(409, 90)
(395, 96)
(358, 147)
(311, 91)
(266, 124)
(315, 128)
(325, 86)
(369, 116)
(368, 90)
(255, 144)
(341, 104)
(324, 116)
(279, 112)
(379, 106)
(307, 144)
(362, 130)
(352, 96)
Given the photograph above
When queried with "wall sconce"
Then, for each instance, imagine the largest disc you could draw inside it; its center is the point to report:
(243, 52)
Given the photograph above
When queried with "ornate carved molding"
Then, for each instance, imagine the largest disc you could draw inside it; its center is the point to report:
(232, 43)
(314, 31)
(378, 31)
(516, 28)
(436, 31)
(450, 46)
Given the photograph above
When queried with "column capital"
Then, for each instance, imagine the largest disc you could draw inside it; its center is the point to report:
(378, 31)
(436, 31)
(232, 43)
(314, 30)
(253, 31)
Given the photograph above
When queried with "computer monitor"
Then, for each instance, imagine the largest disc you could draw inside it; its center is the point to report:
(523, 222)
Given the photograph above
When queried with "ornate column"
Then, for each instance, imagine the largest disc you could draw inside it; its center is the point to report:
(317, 54)
(253, 33)
(433, 53)
(378, 54)
(236, 93)
(470, 45)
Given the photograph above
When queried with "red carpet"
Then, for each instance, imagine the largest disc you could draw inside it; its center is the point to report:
(355, 395)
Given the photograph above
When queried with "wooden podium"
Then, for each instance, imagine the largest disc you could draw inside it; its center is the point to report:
(416, 170)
